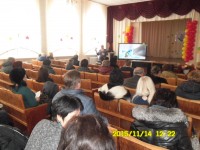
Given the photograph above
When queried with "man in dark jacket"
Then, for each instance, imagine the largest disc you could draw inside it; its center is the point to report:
(72, 87)
(191, 88)
(162, 124)
(132, 82)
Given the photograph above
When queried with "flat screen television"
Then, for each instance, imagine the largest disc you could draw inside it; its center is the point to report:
(132, 51)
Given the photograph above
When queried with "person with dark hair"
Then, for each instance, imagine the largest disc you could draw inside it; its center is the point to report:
(42, 57)
(43, 75)
(132, 82)
(164, 124)
(84, 66)
(17, 76)
(155, 75)
(47, 65)
(114, 89)
(7, 66)
(86, 133)
(191, 88)
(113, 62)
(72, 81)
(75, 60)
(127, 67)
(167, 71)
(17, 64)
(105, 67)
(46, 134)
(70, 65)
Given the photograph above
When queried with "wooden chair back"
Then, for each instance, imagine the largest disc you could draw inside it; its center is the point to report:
(37, 86)
(34, 62)
(32, 74)
(132, 143)
(5, 77)
(182, 76)
(168, 86)
(92, 76)
(103, 78)
(171, 81)
(57, 78)
(27, 66)
(58, 71)
(82, 74)
(63, 71)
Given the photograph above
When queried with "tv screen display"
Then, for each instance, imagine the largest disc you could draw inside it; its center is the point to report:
(132, 51)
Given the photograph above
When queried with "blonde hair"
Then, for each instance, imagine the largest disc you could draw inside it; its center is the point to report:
(145, 88)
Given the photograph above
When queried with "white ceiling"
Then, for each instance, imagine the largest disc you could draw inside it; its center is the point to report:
(117, 2)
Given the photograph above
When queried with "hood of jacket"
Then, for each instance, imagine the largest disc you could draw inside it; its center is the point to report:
(159, 114)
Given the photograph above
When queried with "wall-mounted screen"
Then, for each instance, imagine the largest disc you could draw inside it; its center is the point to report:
(132, 51)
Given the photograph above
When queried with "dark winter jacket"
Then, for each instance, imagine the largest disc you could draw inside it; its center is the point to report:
(110, 92)
(161, 126)
(189, 89)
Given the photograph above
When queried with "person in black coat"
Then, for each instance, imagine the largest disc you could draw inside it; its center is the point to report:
(155, 72)
(191, 88)
(162, 124)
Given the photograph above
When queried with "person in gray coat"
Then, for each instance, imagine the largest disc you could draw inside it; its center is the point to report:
(72, 87)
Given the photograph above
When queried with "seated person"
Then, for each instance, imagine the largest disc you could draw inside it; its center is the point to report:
(42, 57)
(165, 124)
(132, 82)
(50, 56)
(191, 88)
(47, 65)
(105, 68)
(144, 92)
(7, 66)
(84, 66)
(127, 67)
(86, 133)
(16, 76)
(113, 62)
(43, 75)
(114, 89)
(70, 65)
(75, 60)
(17, 64)
(155, 75)
(46, 134)
(167, 71)
(72, 81)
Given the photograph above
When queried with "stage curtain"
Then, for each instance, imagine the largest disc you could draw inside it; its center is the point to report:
(162, 38)
(148, 9)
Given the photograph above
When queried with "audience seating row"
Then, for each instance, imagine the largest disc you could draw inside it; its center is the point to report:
(26, 117)
(130, 143)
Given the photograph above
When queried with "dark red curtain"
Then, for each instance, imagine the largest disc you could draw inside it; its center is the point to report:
(149, 9)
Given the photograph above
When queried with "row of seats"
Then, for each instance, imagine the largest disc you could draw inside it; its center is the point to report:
(21, 116)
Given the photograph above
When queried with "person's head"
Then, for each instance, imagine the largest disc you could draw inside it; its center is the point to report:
(102, 47)
(86, 133)
(166, 98)
(17, 64)
(127, 63)
(75, 57)
(43, 75)
(138, 71)
(106, 63)
(155, 70)
(113, 61)
(145, 88)
(84, 63)
(17, 75)
(71, 61)
(47, 62)
(194, 75)
(72, 80)
(64, 108)
(116, 77)
(50, 54)
(11, 59)
(198, 66)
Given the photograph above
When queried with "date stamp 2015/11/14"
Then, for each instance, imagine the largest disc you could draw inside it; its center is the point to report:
(158, 133)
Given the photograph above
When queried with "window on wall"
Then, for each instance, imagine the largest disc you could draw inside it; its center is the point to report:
(63, 27)
(94, 23)
(19, 29)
